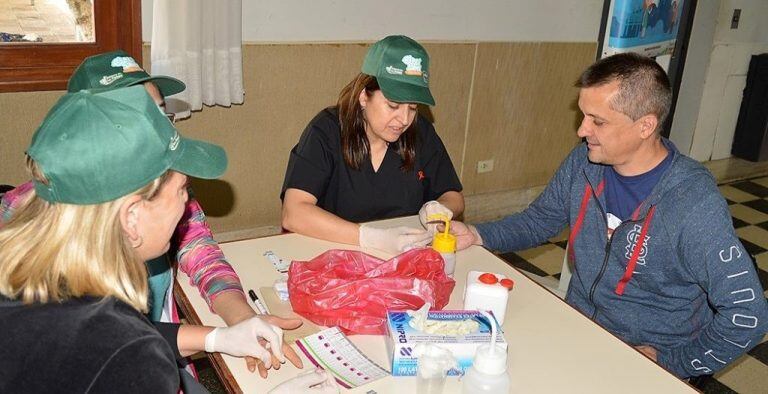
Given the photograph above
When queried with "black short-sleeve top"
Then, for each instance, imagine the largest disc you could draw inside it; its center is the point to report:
(316, 165)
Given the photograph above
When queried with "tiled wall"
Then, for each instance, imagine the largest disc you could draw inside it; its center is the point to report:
(510, 102)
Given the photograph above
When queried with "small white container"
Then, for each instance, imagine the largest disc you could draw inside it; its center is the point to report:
(487, 291)
(488, 373)
(433, 364)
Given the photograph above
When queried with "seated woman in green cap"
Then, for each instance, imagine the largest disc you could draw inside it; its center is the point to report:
(196, 253)
(110, 175)
(372, 157)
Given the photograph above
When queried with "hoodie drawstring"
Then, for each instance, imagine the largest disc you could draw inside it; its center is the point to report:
(638, 245)
(635, 252)
(580, 219)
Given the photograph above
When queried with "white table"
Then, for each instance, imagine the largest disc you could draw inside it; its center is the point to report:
(552, 347)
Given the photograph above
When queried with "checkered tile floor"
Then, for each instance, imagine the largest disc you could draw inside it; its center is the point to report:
(748, 202)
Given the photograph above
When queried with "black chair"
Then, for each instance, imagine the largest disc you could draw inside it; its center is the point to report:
(701, 382)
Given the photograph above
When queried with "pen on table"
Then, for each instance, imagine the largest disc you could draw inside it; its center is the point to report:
(256, 301)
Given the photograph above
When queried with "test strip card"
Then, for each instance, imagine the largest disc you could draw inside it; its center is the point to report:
(331, 350)
(281, 265)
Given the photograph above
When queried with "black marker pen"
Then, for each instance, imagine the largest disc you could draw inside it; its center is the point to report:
(256, 301)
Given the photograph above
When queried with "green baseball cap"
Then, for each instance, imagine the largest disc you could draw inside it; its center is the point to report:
(117, 69)
(401, 66)
(96, 146)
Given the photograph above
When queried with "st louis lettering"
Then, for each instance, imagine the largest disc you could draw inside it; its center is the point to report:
(736, 275)
(745, 321)
(744, 346)
(743, 295)
(732, 249)
(749, 298)
(709, 353)
(699, 366)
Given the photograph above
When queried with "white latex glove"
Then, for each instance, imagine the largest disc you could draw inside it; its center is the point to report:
(242, 340)
(317, 381)
(393, 240)
(433, 208)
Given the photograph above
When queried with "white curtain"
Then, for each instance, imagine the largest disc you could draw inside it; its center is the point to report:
(199, 42)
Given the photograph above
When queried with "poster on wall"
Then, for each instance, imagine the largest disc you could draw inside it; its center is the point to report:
(648, 27)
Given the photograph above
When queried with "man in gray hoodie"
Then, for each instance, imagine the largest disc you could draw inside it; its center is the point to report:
(655, 258)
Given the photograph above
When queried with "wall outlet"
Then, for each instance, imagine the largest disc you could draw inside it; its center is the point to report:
(484, 166)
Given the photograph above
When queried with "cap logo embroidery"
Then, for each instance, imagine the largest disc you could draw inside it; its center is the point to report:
(174, 141)
(394, 70)
(127, 63)
(412, 65)
(108, 79)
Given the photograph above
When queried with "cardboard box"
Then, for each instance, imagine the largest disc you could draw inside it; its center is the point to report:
(402, 338)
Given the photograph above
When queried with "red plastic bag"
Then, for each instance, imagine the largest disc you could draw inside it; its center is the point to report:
(353, 290)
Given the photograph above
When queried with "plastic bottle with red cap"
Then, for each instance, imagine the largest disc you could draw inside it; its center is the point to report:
(487, 291)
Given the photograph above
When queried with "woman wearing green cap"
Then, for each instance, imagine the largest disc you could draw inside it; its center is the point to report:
(373, 157)
(196, 252)
(109, 188)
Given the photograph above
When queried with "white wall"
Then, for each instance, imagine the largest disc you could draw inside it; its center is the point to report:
(368, 20)
(694, 74)
(726, 76)
(146, 20)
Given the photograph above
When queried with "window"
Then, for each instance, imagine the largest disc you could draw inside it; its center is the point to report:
(40, 66)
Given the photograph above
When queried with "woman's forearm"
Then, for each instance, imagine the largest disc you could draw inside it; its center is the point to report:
(313, 221)
(191, 339)
(232, 307)
(453, 201)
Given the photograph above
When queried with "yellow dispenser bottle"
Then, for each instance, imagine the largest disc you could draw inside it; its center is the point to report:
(445, 244)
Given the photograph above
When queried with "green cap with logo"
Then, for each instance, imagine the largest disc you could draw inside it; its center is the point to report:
(118, 69)
(96, 146)
(401, 66)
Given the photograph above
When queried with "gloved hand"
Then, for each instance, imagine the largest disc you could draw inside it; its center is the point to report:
(242, 340)
(433, 208)
(317, 381)
(393, 240)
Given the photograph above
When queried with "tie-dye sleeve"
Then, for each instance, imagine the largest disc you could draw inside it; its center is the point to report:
(200, 257)
(13, 199)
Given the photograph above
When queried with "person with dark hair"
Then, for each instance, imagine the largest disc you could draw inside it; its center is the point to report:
(372, 156)
(654, 255)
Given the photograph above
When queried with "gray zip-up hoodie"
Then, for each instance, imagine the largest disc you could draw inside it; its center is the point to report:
(693, 294)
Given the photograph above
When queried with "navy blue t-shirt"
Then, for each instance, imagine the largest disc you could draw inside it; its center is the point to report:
(623, 194)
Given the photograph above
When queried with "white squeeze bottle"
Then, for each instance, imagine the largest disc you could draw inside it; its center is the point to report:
(488, 373)
(445, 244)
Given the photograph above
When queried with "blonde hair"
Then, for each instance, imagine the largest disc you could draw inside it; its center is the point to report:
(52, 252)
